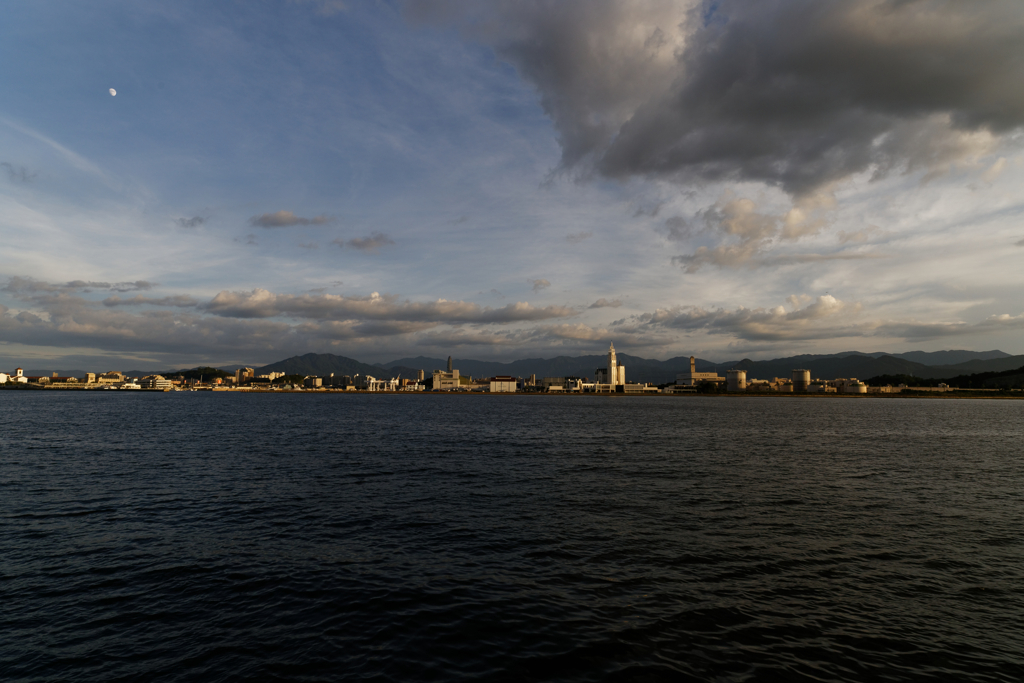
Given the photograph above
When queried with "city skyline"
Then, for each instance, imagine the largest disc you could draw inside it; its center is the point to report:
(221, 185)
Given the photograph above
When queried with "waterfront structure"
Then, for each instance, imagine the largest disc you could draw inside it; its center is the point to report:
(850, 386)
(337, 381)
(613, 376)
(737, 380)
(505, 384)
(371, 383)
(637, 388)
(243, 375)
(560, 384)
(110, 378)
(156, 382)
(693, 378)
(801, 380)
(447, 380)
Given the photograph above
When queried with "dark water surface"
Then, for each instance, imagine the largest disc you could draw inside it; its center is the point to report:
(404, 538)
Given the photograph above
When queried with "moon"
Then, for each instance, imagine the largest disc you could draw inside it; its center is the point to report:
(113, 92)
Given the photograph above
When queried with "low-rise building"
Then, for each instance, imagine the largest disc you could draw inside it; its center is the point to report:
(447, 380)
(111, 377)
(503, 384)
(156, 382)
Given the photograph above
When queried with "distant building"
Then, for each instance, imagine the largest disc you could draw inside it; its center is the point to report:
(447, 380)
(313, 382)
(504, 384)
(693, 378)
(18, 377)
(737, 380)
(801, 380)
(155, 382)
(338, 381)
(612, 377)
(242, 375)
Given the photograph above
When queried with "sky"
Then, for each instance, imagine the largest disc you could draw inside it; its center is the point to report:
(508, 179)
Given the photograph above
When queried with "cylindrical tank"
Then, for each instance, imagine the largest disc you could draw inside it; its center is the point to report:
(736, 380)
(856, 387)
(801, 380)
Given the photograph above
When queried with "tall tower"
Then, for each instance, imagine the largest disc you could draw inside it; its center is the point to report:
(449, 363)
(613, 366)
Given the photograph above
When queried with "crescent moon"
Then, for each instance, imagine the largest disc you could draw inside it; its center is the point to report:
(113, 92)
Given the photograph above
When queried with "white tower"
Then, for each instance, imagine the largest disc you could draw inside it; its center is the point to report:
(616, 372)
(613, 371)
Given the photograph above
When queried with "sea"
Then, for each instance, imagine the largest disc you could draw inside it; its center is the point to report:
(310, 537)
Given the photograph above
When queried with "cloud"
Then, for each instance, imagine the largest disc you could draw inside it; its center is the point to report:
(309, 245)
(259, 321)
(18, 174)
(745, 232)
(859, 236)
(260, 303)
(758, 324)
(73, 159)
(797, 94)
(539, 284)
(605, 303)
(994, 171)
(825, 317)
(266, 324)
(370, 243)
(678, 229)
(193, 222)
(577, 237)
(178, 301)
(285, 219)
(749, 255)
(23, 285)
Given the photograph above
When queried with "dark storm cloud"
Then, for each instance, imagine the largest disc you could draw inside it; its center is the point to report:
(286, 219)
(793, 93)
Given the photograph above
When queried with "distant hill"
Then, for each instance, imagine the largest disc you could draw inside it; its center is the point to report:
(831, 367)
(948, 357)
(974, 366)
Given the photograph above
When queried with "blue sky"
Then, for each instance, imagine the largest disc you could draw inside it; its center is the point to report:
(507, 179)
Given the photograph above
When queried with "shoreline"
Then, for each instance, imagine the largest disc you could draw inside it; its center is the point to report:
(1005, 394)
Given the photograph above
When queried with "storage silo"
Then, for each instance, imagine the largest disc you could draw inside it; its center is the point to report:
(801, 380)
(855, 387)
(737, 380)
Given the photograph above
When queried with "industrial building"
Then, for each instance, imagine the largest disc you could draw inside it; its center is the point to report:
(447, 380)
(693, 378)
